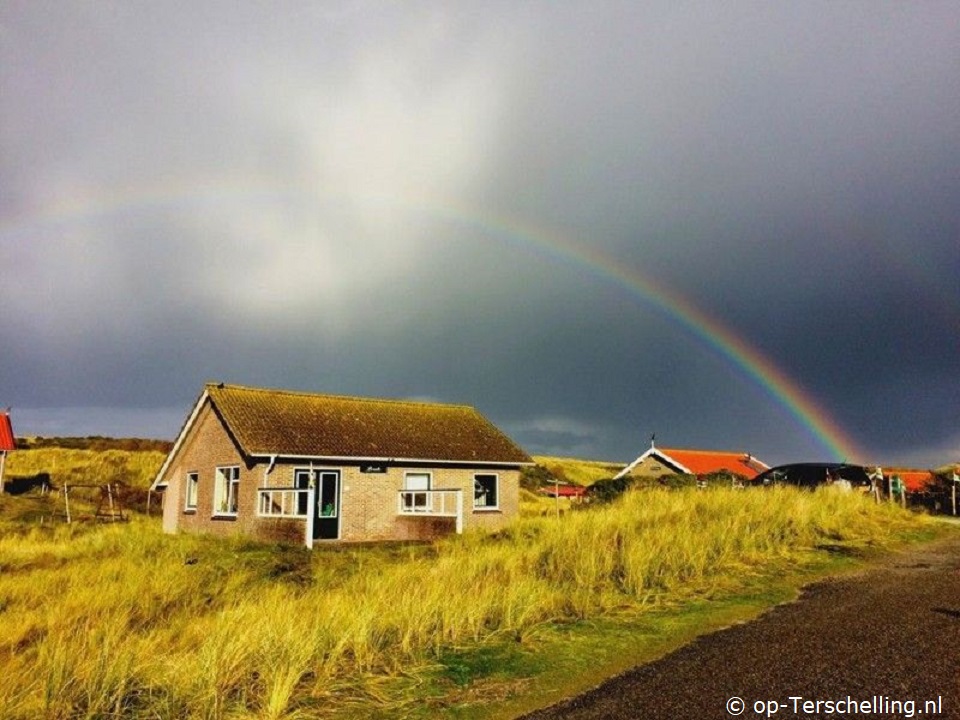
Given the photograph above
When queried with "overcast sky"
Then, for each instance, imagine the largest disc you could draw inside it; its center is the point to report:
(476, 202)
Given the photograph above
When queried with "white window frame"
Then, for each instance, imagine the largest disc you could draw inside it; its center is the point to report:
(496, 490)
(191, 492)
(299, 473)
(226, 487)
(406, 486)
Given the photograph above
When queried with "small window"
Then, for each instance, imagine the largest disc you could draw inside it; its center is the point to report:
(301, 481)
(416, 494)
(193, 480)
(225, 491)
(485, 492)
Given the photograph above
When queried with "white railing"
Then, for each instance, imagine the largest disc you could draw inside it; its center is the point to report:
(288, 503)
(432, 503)
(283, 502)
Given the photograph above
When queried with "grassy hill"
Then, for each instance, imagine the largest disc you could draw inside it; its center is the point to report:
(576, 471)
(48, 464)
(136, 468)
(152, 625)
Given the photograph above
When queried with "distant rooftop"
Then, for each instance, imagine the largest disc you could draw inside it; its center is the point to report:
(701, 462)
(7, 440)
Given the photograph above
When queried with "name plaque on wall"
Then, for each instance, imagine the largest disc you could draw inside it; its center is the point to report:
(373, 468)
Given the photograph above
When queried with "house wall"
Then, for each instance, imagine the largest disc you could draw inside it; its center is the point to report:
(652, 467)
(368, 503)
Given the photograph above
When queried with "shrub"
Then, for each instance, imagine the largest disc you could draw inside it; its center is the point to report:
(609, 489)
(534, 477)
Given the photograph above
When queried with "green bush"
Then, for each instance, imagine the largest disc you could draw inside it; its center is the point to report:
(609, 489)
(534, 477)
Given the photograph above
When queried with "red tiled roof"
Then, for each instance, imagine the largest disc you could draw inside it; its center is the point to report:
(703, 462)
(564, 490)
(7, 441)
(915, 480)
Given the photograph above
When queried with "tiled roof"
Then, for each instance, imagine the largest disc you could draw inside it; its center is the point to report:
(703, 462)
(284, 423)
(915, 480)
(7, 441)
(564, 490)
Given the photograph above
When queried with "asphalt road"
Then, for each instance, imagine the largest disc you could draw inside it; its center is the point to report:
(883, 638)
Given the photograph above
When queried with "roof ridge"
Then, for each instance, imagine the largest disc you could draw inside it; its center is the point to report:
(334, 396)
(711, 452)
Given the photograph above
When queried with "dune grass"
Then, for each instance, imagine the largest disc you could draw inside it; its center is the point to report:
(136, 468)
(109, 621)
(576, 471)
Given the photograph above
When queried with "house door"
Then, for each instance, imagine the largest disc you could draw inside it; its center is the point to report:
(326, 519)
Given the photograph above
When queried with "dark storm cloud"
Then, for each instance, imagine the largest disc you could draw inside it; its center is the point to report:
(310, 198)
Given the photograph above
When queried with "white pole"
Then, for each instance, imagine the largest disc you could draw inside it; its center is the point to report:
(66, 500)
(459, 512)
(311, 512)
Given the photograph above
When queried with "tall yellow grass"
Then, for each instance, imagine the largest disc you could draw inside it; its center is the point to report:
(124, 621)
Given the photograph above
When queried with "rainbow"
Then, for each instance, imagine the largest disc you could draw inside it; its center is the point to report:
(704, 328)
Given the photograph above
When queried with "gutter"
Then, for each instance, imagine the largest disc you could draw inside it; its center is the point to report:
(272, 457)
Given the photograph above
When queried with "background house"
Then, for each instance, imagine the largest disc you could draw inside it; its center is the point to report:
(286, 465)
(914, 480)
(660, 462)
(8, 442)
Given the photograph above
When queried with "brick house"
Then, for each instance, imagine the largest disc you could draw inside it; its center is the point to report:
(281, 465)
(660, 462)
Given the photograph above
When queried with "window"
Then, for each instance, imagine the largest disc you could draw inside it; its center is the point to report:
(225, 489)
(301, 481)
(419, 500)
(485, 492)
(192, 482)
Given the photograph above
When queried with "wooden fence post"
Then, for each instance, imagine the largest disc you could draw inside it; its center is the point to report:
(956, 481)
